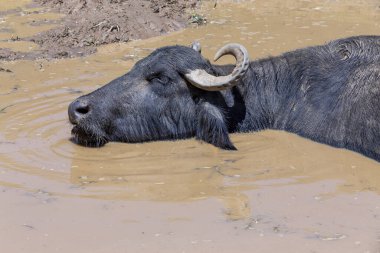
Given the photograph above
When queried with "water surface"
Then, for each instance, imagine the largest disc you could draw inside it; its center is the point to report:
(279, 192)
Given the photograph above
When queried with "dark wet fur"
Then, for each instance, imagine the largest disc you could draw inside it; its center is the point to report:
(87, 137)
(328, 93)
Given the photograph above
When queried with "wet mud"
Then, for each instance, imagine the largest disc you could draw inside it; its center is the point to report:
(86, 24)
(278, 193)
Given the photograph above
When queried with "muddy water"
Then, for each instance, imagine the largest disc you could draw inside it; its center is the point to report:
(278, 193)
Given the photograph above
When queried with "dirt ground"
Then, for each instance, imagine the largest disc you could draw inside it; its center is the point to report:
(90, 23)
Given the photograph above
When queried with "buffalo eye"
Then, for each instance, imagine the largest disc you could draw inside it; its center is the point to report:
(158, 78)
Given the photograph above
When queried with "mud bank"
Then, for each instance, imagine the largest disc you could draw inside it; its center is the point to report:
(87, 24)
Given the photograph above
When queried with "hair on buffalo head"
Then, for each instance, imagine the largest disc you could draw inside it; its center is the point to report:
(174, 93)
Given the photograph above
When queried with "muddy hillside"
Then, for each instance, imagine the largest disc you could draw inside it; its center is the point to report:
(87, 24)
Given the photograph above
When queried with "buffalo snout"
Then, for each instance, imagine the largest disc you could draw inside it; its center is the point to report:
(78, 110)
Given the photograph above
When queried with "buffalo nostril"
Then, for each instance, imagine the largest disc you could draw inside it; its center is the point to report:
(83, 110)
(78, 110)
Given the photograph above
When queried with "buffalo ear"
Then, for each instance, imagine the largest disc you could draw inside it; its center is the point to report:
(211, 127)
(196, 45)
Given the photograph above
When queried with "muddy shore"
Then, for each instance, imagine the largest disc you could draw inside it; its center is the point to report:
(87, 24)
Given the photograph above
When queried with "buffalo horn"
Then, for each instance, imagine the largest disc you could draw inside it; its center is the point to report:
(203, 80)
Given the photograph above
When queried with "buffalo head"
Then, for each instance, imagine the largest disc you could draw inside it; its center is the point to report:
(174, 93)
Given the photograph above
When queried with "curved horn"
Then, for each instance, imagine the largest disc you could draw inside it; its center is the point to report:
(203, 80)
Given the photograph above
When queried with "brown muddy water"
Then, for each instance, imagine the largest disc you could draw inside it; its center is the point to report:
(278, 193)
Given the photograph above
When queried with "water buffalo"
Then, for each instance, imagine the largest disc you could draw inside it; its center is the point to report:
(328, 93)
